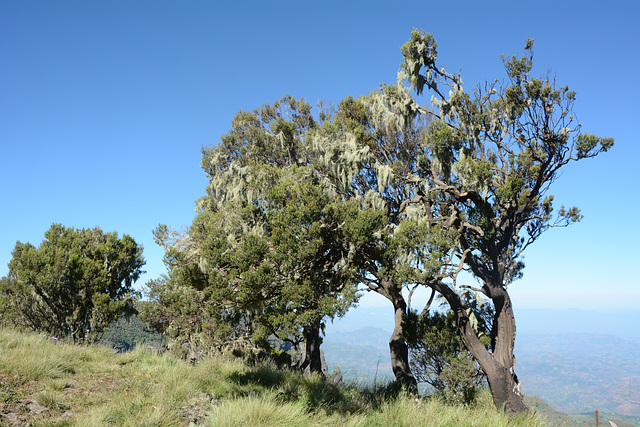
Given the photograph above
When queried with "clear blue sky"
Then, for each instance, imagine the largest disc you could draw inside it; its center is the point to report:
(104, 106)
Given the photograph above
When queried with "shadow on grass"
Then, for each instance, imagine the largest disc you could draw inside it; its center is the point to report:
(265, 376)
(317, 392)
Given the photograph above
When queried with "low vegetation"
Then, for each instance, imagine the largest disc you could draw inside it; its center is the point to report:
(49, 382)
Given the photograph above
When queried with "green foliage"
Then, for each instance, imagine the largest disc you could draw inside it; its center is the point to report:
(438, 355)
(271, 135)
(310, 253)
(387, 156)
(496, 153)
(588, 144)
(420, 51)
(126, 333)
(269, 250)
(181, 314)
(218, 281)
(74, 284)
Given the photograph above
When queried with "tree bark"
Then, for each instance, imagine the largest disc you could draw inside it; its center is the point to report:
(499, 365)
(312, 357)
(504, 384)
(398, 346)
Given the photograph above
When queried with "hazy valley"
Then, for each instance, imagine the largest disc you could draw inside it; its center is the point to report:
(577, 361)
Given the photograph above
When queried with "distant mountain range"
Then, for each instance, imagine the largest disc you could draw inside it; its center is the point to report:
(576, 360)
(362, 355)
(535, 321)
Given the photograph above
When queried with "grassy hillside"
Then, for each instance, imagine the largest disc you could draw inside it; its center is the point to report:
(50, 383)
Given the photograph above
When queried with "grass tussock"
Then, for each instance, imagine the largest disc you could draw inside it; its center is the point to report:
(94, 386)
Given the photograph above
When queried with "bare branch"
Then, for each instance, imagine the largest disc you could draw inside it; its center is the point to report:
(425, 310)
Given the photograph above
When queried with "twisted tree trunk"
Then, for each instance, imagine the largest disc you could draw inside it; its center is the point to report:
(504, 383)
(399, 350)
(499, 365)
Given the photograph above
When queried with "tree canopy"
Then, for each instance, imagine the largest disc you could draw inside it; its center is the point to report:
(388, 195)
(75, 283)
(493, 155)
(270, 247)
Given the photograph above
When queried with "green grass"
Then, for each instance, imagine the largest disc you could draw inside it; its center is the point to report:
(94, 386)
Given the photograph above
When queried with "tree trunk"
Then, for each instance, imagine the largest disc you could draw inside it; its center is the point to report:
(499, 365)
(504, 383)
(398, 347)
(312, 356)
(505, 390)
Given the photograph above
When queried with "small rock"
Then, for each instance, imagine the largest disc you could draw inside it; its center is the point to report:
(35, 408)
(32, 405)
(11, 416)
(336, 376)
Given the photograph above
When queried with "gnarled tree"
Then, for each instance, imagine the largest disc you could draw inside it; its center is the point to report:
(367, 152)
(493, 156)
(285, 260)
